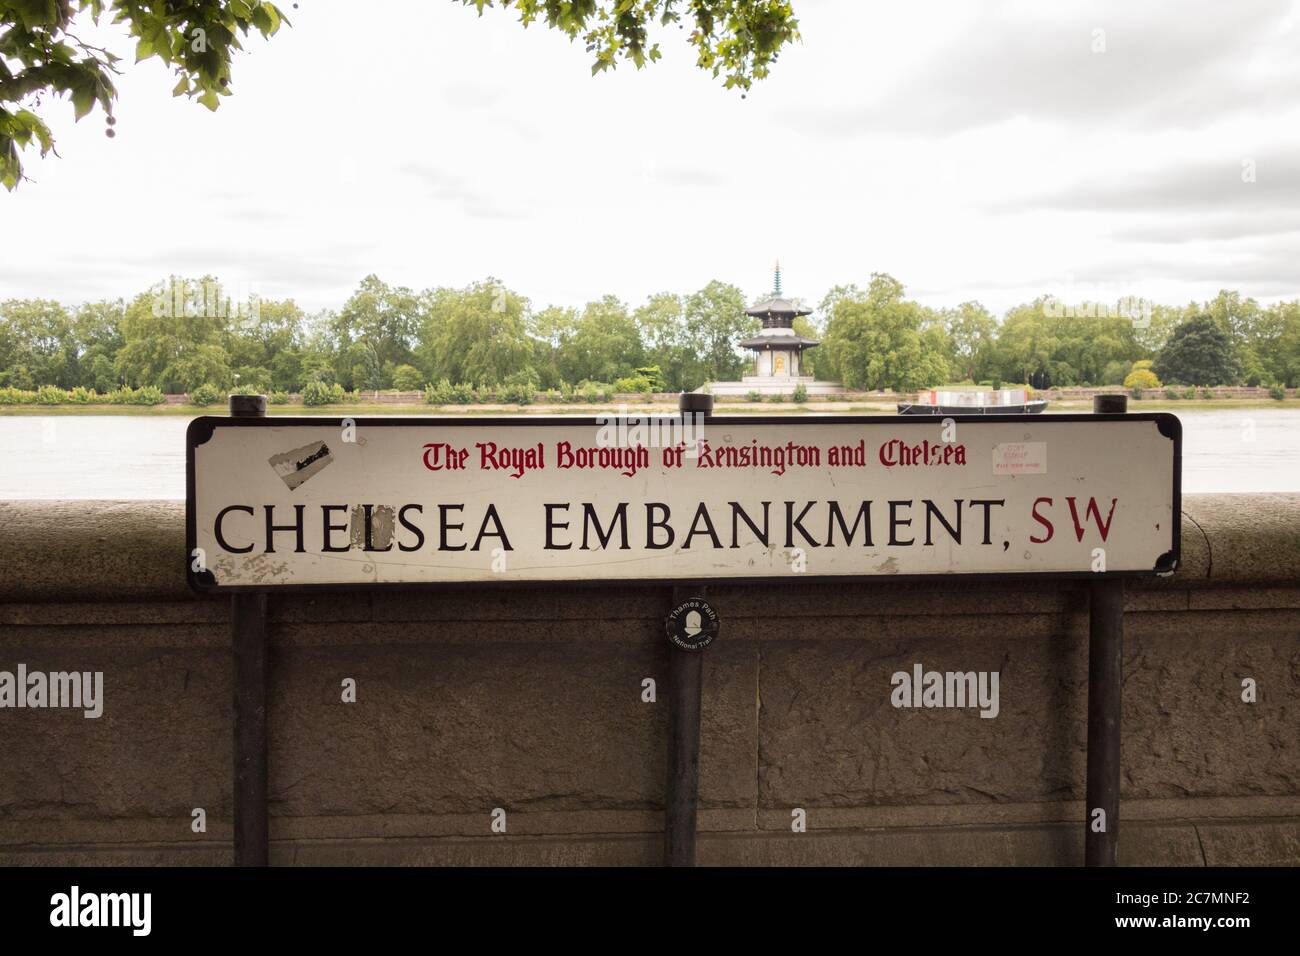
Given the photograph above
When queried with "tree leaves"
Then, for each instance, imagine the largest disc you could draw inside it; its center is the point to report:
(198, 40)
(737, 40)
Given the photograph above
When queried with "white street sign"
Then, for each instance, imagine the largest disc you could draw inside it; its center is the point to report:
(278, 502)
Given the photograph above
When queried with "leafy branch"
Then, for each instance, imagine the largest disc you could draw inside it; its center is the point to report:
(40, 56)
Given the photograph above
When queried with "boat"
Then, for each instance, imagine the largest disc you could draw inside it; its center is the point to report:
(1002, 401)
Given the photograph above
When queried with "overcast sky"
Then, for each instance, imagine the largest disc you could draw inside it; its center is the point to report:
(974, 150)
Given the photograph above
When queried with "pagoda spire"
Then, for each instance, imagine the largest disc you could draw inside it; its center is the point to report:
(776, 280)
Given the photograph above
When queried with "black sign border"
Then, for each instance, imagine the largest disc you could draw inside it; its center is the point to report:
(201, 429)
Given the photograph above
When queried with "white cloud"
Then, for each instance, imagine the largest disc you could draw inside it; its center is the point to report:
(969, 150)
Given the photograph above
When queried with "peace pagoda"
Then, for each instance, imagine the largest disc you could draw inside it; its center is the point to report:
(778, 351)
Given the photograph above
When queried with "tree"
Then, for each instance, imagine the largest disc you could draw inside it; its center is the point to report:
(198, 40)
(1283, 354)
(477, 335)
(375, 331)
(1141, 378)
(408, 378)
(37, 344)
(175, 336)
(661, 325)
(97, 328)
(804, 327)
(736, 39)
(714, 320)
(971, 330)
(693, 338)
(1198, 353)
(1152, 331)
(876, 339)
(604, 344)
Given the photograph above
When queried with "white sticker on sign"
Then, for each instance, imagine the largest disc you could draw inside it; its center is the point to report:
(1020, 458)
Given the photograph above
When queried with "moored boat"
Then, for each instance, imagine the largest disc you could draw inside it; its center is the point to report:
(1002, 401)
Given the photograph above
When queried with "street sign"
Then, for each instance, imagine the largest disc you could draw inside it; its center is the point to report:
(314, 502)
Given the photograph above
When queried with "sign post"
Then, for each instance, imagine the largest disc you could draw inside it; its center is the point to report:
(691, 626)
(1105, 692)
(248, 634)
(677, 500)
(685, 677)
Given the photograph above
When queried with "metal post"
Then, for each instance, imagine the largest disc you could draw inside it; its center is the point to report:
(1105, 692)
(682, 792)
(681, 798)
(248, 633)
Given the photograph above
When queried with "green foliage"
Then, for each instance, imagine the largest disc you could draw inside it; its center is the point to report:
(206, 395)
(800, 393)
(1276, 392)
(50, 395)
(145, 395)
(738, 40)
(1199, 352)
(776, 398)
(184, 333)
(603, 343)
(318, 393)
(278, 398)
(877, 339)
(636, 383)
(252, 381)
(42, 58)
(1141, 378)
(476, 334)
(972, 331)
(654, 375)
(518, 394)
(692, 339)
(374, 333)
(1173, 394)
(408, 378)
(1039, 343)
(439, 394)
(753, 396)
(1114, 373)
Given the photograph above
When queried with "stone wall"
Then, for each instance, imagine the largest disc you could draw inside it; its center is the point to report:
(530, 700)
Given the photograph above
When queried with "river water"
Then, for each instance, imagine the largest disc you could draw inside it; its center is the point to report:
(126, 456)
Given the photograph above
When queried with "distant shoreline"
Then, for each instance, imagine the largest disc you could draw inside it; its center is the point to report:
(417, 409)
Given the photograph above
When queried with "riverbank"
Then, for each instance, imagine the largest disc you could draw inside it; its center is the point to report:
(354, 409)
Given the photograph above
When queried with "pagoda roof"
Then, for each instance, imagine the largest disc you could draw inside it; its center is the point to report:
(778, 342)
(777, 306)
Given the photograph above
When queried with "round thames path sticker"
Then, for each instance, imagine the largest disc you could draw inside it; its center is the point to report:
(692, 625)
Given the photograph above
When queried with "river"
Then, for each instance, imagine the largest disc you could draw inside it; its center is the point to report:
(112, 456)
